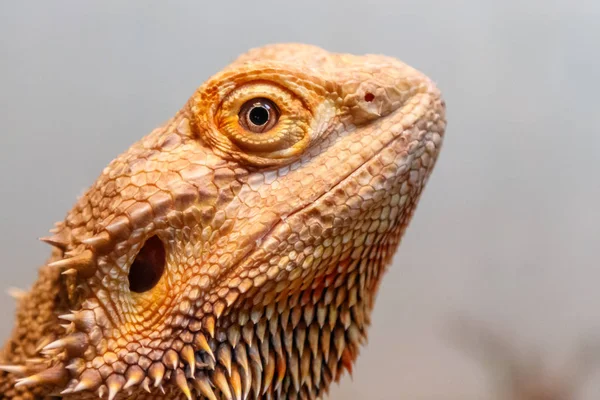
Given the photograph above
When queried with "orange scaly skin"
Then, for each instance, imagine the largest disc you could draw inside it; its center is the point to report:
(268, 241)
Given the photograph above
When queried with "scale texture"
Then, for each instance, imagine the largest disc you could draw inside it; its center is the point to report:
(236, 251)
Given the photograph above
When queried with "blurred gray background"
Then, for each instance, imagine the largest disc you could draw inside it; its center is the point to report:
(507, 230)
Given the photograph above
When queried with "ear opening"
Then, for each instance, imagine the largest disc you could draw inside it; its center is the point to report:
(148, 266)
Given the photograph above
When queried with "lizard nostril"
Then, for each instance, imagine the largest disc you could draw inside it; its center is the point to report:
(369, 97)
(148, 266)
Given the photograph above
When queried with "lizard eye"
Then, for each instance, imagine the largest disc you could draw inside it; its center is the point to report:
(262, 122)
(258, 115)
(148, 266)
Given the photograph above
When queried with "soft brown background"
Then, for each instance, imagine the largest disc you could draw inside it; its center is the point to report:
(507, 229)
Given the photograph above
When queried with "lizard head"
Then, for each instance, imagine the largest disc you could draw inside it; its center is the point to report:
(236, 250)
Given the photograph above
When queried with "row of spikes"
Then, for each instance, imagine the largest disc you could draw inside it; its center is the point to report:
(81, 263)
(259, 361)
(325, 307)
(36, 370)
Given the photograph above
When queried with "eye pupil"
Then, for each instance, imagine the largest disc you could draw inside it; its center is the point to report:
(148, 266)
(259, 115)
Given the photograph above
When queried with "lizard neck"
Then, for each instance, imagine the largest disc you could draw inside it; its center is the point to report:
(304, 339)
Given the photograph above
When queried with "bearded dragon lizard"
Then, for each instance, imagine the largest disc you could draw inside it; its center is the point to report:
(236, 251)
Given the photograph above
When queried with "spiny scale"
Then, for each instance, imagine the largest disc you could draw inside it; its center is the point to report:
(56, 375)
(181, 382)
(187, 353)
(157, 372)
(100, 243)
(83, 320)
(203, 386)
(115, 383)
(15, 369)
(16, 293)
(74, 344)
(83, 264)
(134, 375)
(90, 380)
(59, 241)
